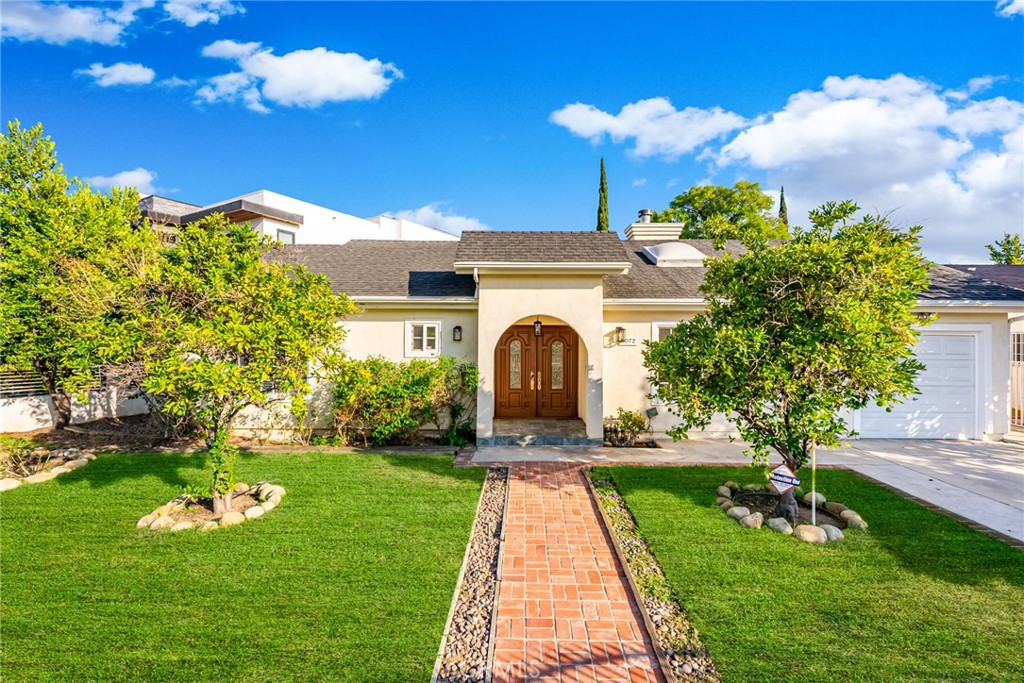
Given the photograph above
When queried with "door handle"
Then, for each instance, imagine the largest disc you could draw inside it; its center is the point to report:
(540, 381)
(532, 387)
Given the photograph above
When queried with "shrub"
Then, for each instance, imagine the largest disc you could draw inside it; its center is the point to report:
(383, 402)
(623, 429)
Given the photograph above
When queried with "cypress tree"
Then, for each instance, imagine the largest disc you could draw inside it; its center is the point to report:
(602, 202)
(783, 214)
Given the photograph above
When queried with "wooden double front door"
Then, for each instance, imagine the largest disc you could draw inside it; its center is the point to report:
(536, 376)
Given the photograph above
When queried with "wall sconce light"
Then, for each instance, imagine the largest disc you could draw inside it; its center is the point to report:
(536, 327)
(457, 333)
(620, 335)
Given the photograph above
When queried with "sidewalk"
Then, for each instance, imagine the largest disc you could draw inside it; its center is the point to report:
(979, 481)
(564, 613)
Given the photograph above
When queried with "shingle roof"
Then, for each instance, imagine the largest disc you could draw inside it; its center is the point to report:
(494, 246)
(953, 284)
(427, 269)
(1010, 276)
(383, 267)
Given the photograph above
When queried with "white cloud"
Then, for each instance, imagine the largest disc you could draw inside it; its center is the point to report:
(1007, 8)
(639, 182)
(176, 82)
(60, 24)
(435, 216)
(195, 12)
(139, 178)
(303, 78)
(947, 162)
(121, 73)
(655, 126)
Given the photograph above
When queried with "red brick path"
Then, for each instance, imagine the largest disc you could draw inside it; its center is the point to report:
(564, 609)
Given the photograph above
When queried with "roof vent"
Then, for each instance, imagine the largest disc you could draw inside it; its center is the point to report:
(645, 216)
(676, 254)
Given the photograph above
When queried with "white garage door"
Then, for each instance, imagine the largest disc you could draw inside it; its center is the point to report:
(947, 406)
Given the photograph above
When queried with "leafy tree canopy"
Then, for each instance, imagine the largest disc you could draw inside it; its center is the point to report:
(67, 257)
(1008, 251)
(719, 212)
(797, 333)
(225, 328)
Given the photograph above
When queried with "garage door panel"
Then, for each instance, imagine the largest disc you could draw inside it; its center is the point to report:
(946, 408)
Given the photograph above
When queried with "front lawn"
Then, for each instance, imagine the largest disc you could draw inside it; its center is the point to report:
(350, 579)
(917, 597)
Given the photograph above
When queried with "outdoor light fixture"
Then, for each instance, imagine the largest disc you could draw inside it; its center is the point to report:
(536, 327)
(620, 335)
(457, 333)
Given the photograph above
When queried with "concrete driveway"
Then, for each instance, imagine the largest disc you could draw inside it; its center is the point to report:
(978, 480)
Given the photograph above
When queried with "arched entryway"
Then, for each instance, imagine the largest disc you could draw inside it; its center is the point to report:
(537, 372)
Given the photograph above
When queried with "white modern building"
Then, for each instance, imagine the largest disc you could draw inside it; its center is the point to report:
(289, 220)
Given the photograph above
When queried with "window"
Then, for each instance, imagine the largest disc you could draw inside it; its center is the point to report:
(285, 237)
(660, 332)
(422, 338)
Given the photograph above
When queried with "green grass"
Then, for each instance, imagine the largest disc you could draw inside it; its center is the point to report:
(350, 579)
(917, 597)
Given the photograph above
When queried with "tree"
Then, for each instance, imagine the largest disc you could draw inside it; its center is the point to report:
(1008, 251)
(602, 202)
(226, 328)
(796, 334)
(719, 212)
(783, 212)
(67, 258)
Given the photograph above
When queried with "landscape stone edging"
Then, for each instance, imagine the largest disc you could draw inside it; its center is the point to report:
(455, 661)
(268, 494)
(708, 672)
(803, 532)
(82, 459)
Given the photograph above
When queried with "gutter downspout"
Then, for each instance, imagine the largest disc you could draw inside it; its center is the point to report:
(476, 281)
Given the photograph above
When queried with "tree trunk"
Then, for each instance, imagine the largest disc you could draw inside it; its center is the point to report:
(787, 507)
(222, 503)
(61, 409)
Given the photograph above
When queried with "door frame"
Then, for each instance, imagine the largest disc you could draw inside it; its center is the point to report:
(533, 354)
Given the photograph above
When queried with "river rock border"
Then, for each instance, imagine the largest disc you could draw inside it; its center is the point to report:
(267, 495)
(822, 533)
(683, 656)
(65, 459)
(464, 655)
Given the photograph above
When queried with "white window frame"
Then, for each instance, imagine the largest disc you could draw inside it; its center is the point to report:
(410, 352)
(656, 328)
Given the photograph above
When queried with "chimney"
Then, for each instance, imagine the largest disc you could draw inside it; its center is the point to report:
(646, 229)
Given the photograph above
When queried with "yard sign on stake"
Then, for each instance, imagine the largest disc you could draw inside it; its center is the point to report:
(783, 479)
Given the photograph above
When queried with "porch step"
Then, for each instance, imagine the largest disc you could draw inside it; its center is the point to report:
(537, 440)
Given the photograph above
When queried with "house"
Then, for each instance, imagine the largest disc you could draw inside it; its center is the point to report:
(288, 220)
(1011, 276)
(556, 322)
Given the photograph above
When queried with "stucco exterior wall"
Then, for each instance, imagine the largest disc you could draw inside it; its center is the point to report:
(29, 413)
(574, 300)
(627, 386)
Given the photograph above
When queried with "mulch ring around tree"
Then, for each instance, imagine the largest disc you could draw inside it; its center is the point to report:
(186, 512)
(817, 520)
(33, 466)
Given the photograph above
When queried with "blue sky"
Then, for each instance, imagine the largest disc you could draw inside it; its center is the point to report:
(496, 115)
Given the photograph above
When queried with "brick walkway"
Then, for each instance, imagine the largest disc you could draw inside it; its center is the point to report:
(564, 609)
